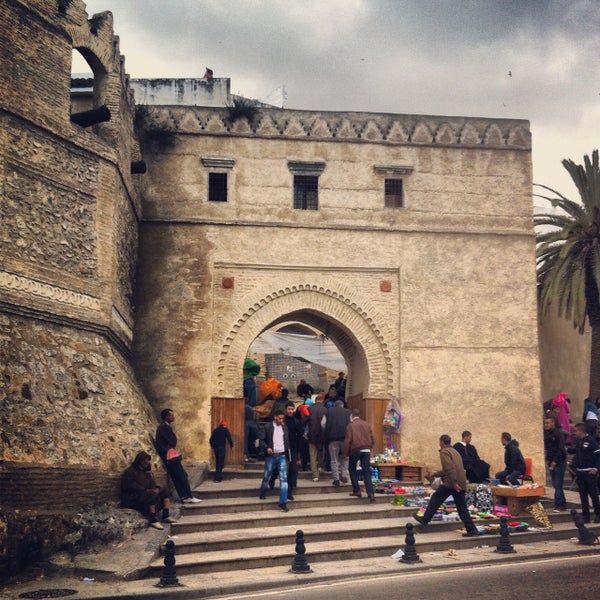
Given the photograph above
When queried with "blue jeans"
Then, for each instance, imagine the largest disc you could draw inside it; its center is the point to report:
(508, 477)
(276, 464)
(365, 464)
(558, 476)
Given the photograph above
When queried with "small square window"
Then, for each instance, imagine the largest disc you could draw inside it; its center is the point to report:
(306, 192)
(217, 187)
(393, 193)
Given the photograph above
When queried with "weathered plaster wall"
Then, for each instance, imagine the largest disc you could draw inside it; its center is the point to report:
(565, 361)
(454, 339)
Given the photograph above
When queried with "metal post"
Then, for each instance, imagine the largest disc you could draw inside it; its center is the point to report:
(410, 551)
(169, 577)
(300, 564)
(504, 545)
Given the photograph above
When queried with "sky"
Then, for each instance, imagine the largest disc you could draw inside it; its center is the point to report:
(519, 59)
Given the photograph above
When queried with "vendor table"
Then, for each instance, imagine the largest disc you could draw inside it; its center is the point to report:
(516, 499)
(408, 472)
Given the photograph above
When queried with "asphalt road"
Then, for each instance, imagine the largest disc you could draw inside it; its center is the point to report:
(564, 579)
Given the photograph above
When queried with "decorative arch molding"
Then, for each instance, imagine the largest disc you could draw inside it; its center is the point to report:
(362, 324)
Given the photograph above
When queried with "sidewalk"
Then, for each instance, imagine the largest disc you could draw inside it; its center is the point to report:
(103, 575)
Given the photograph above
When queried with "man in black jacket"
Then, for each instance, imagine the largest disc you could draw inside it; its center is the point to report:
(513, 460)
(166, 440)
(587, 464)
(556, 459)
(337, 419)
(477, 469)
(278, 451)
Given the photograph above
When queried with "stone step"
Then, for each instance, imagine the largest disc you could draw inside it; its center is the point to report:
(266, 514)
(264, 555)
(315, 497)
(245, 515)
(281, 531)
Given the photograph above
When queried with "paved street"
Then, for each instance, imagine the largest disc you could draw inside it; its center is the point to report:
(573, 577)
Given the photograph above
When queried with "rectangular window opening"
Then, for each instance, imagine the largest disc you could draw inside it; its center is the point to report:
(306, 192)
(217, 187)
(393, 193)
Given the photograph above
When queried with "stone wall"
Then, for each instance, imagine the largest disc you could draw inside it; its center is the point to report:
(69, 211)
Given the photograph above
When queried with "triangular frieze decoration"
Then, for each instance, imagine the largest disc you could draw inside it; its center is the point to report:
(294, 128)
(493, 136)
(469, 136)
(421, 134)
(371, 132)
(215, 124)
(345, 130)
(267, 126)
(519, 137)
(189, 123)
(320, 129)
(397, 133)
(241, 126)
(445, 134)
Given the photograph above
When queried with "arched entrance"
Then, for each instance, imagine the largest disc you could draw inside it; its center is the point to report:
(361, 334)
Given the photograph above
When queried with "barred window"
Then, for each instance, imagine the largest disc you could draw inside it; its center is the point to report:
(393, 193)
(306, 192)
(217, 187)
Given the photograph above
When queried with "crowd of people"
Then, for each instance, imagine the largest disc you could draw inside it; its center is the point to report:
(573, 448)
(322, 434)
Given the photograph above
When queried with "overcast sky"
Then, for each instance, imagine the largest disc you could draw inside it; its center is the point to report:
(527, 59)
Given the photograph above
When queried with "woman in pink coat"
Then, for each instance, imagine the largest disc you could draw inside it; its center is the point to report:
(562, 404)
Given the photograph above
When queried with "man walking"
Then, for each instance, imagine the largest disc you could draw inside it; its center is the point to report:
(454, 483)
(315, 435)
(358, 444)
(218, 442)
(587, 464)
(278, 452)
(338, 418)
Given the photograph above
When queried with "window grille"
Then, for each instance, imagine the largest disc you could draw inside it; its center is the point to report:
(393, 193)
(306, 192)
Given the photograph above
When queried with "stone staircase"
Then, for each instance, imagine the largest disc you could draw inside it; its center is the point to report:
(233, 529)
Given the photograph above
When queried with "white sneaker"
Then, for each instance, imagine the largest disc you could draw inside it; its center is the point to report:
(193, 500)
(315, 479)
(156, 525)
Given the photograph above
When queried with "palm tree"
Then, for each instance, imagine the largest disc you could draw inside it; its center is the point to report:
(568, 255)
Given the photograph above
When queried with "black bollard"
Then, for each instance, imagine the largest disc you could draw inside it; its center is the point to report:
(138, 167)
(504, 546)
(300, 564)
(585, 536)
(169, 577)
(410, 551)
(91, 117)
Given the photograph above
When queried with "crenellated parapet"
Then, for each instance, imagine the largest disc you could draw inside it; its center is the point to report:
(327, 126)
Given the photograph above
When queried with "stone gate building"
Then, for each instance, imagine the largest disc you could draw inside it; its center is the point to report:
(406, 239)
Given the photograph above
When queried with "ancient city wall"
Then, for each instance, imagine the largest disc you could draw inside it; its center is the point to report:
(69, 211)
